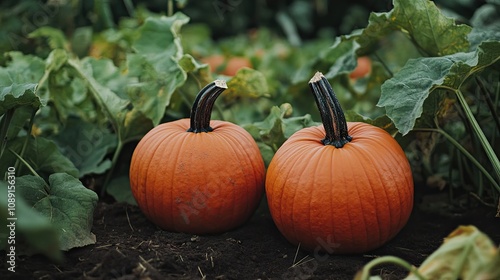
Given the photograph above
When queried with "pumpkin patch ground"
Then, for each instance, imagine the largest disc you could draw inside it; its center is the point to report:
(130, 247)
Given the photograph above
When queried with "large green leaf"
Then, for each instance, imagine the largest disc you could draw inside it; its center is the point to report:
(119, 188)
(86, 145)
(431, 31)
(403, 96)
(278, 126)
(112, 105)
(246, 83)
(34, 233)
(154, 65)
(41, 154)
(55, 37)
(65, 202)
(19, 81)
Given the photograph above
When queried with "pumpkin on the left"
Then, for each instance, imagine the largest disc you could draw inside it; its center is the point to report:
(196, 175)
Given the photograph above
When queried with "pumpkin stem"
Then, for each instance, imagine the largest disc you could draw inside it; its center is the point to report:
(203, 105)
(331, 113)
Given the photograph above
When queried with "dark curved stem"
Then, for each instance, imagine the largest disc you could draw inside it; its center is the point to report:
(203, 105)
(331, 112)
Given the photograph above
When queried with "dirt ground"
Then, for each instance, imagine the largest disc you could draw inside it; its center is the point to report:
(130, 247)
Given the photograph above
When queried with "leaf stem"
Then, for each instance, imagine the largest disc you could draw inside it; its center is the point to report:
(47, 188)
(4, 127)
(365, 273)
(386, 67)
(464, 152)
(130, 7)
(489, 102)
(26, 141)
(477, 129)
(170, 8)
(114, 161)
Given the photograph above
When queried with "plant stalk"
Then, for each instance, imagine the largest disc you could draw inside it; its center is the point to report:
(490, 153)
(4, 127)
(114, 161)
(47, 187)
(464, 152)
(26, 141)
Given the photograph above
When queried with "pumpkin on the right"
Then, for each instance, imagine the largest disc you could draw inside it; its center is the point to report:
(341, 188)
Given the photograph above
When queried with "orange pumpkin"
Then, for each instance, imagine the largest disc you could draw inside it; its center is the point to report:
(363, 68)
(343, 187)
(196, 175)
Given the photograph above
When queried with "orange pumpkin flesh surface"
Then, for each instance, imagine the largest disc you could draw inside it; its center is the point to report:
(348, 193)
(196, 175)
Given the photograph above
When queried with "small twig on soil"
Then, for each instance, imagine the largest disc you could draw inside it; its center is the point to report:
(152, 271)
(301, 261)
(57, 268)
(296, 253)
(104, 246)
(212, 261)
(120, 252)
(203, 276)
(481, 201)
(92, 270)
(139, 245)
(128, 219)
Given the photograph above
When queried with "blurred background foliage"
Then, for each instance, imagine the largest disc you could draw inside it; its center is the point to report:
(296, 20)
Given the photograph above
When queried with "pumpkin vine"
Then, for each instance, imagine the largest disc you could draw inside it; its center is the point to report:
(203, 105)
(332, 116)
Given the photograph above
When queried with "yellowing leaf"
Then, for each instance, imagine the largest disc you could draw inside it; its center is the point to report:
(466, 254)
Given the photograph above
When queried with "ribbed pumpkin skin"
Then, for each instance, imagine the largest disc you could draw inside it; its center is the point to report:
(340, 200)
(197, 182)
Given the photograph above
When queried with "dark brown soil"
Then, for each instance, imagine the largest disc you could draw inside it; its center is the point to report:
(130, 247)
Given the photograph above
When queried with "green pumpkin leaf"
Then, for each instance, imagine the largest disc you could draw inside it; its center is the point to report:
(67, 204)
(383, 121)
(246, 83)
(35, 234)
(431, 31)
(273, 131)
(403, 96)
(155, 66)
(55, 36)
(342, 58)
(41, 154)
(19, 81)
(86, 145)
(113, 107)
(119, 188)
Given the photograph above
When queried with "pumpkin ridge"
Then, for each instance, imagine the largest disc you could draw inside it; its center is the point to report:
(403, 192)
(294, 161)
(233, 214)
(385, 160)
(146, 165)
(368, 179)
(362, 195)
(318, 169)
(180, 144)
